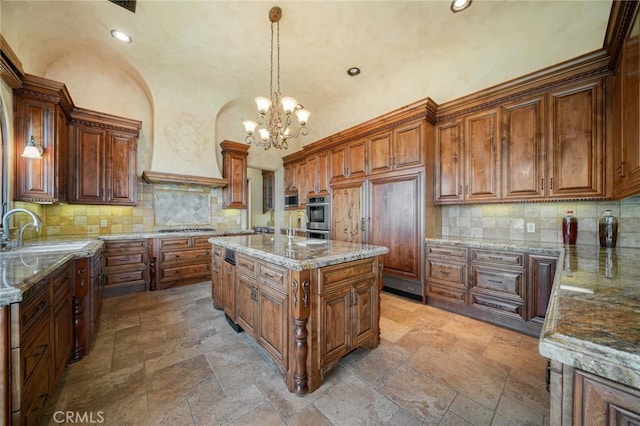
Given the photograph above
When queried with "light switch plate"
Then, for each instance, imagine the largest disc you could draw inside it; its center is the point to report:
(103, 223)
(531, 227)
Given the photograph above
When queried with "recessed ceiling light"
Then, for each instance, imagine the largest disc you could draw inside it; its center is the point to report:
(353, 71)
(459, 5)
(119, 35)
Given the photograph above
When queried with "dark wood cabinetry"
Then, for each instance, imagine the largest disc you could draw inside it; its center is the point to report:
(125, 266)
(181, 260)
(234, 168)
(41, 111)
(446, 274)
(318, 167)
(103, 153)
(541, 271)
(348, 210)
(268, 186)
(349, 160)
(626, 112)
(217, 258)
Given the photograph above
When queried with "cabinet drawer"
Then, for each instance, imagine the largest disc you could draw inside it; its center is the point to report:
(202, 242)
(497, 257)
(173, 243)
(126, 276)
(272, 275)
(186, 256)
(35, 395)
(495, 303)
(35, 306)
(35, 350)
(450, 274)
(245, 265)
(61, 285)
(128, 246)
(332, 277)
(218, 252)
(124, 259)
(508, 283)
(458, 253)
(184, 272)
(447, 293)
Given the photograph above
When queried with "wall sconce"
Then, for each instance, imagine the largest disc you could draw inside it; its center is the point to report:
(32, 150)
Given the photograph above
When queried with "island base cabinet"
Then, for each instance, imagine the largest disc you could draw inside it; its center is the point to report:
(581, 398)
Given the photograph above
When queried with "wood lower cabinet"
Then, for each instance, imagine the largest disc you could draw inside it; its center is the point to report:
(125, 266)
(87, 302)
(40, 333)
(508, 288)
(348, 210)
(304, 320)
(582, 398)
(217, 259)
(181, 260)
(103, 157)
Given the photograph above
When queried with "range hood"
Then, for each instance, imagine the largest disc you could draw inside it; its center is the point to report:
(162, 177)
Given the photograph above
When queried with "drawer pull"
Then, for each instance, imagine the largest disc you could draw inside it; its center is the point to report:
(42, 306)
(269, 275)
(42, 351)
(445, 273)
(448, 253)
(495, 281)
(495, 257)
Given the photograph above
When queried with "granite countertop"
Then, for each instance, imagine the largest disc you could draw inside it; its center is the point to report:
(302, 253)
(21, 269)
(593, 319)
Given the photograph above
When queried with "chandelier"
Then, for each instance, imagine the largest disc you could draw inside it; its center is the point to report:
(274, 123)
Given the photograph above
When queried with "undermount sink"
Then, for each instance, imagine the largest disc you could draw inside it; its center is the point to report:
(47, 248)
(311, 242)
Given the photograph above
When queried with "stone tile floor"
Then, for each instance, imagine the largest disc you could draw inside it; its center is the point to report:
(169, 358)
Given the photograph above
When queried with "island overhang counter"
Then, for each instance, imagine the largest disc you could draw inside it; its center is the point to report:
(307, 303)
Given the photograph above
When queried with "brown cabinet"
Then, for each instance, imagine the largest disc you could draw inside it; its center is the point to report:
(228, 289)
(347, 311)
(446, 273)
(449, 162)
(234, 168)
(401, 148)
(303, 183)
(291, 178)
(103, 158)
(217, 258)
(348, 221)
(626, 115)
(541, 271)
(523, 149)
(576, 141)
(40, 333)
(41, 109)
(181, 260)
(497, 282)
(319, 172)
(268, 186)
(125, 266)
(87, 302)
(349, 160)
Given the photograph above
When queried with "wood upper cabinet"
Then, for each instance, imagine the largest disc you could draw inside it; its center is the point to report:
(523, 149)
(303, 183)
(41, 109)
(575, 163)
(626, 115)
(408, 145)
(268, 196)
(234, 168)
(449, 162)
(482, 152)
(349, 160)
(291, 177)
(380, 152)
(103, 158)
(318, 170)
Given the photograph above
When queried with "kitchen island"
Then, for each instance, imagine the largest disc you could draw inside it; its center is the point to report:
(306, 302)
(591, 334)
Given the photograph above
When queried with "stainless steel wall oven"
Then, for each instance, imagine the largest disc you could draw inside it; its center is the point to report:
(319, 214)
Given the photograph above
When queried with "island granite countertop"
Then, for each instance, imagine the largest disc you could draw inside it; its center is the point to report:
(302, 253)
(593, 319)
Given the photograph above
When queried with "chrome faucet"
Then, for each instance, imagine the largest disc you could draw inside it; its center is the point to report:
(291, 232)
(6, 236)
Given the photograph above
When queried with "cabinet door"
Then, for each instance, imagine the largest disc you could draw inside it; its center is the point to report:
(626, 115)
(482, 176)
(363, 311)
(575, 151)
(523, 149)
(380, 153)
(217, 294)
(268, 178)
(449, 163)
(347, 212)
(335, 319)
(62, 335)
(339, 163)
(303, 184)
(121, 184)
(322, 173)
(235, 169)
(408, 146)
(228, 290)
(598, 401)
(357, 158)
(291, 177)
(395, 207)
(88, 165)
(273, 330)
(245, 301)
(540, 274)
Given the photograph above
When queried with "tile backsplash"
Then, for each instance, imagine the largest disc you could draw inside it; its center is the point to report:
(509, 221)
(160, 206)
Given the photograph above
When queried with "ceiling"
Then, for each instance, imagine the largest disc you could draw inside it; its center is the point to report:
(213, 56)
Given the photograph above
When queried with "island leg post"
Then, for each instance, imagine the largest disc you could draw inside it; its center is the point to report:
(300, 300)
